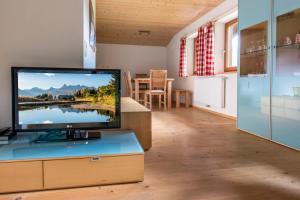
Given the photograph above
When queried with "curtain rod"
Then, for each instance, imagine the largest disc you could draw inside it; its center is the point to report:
(196, 31)
(215, 19)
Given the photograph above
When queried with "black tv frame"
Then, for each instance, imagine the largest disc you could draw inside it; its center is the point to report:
(66, 126)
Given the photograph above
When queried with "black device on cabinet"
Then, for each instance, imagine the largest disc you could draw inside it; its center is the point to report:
(65, 99)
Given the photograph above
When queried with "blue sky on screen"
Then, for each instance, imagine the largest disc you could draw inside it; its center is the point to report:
(57, 80)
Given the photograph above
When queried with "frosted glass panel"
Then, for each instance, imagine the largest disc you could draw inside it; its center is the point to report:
(253, 110)
(254, 83)
(254, 67)
(286, 80)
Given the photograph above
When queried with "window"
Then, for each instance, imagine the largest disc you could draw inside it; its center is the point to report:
(231, 45)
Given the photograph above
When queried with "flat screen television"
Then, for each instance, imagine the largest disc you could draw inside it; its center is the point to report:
(60, 98)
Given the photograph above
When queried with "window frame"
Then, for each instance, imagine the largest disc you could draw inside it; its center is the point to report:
(226, 67)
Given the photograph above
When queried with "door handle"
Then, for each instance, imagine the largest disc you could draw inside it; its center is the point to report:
(95, 159)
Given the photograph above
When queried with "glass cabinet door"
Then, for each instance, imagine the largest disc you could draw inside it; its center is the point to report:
(254, 67)
(254, 50)
(285, 99)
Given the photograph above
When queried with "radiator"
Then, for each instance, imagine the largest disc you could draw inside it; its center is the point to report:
(210, 91)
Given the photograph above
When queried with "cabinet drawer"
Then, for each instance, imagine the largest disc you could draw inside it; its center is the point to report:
(89, 171)
(21, 176)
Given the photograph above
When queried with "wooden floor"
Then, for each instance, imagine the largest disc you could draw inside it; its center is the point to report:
(198, 155)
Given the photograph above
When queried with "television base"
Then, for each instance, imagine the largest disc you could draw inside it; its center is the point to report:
(68, 135)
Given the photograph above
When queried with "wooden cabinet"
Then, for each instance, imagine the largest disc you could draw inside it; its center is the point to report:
(93, 171)
(25, 165)
(65, 173)
(21, 176)
(138, 119)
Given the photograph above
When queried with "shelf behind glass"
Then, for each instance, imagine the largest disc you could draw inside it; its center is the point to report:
(290, 46)
(254, 75)
(254, 50)
(262, 52)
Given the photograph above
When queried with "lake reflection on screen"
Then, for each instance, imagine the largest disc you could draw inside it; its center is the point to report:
(62, 114)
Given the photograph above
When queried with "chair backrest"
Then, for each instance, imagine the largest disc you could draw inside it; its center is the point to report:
(127, 77)
(158, 79)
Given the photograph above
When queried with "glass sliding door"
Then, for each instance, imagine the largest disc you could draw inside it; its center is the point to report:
(254, 67)
(285, 99)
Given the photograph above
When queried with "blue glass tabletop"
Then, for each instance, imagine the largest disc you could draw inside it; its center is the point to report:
(24, 147)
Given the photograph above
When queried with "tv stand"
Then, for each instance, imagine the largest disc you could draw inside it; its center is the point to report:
(68, 135)
(29, 166)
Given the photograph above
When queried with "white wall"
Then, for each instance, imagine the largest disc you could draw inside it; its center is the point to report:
(89, 55)
(37, 33)
(191, 82)
(136, 59)
(200, 95)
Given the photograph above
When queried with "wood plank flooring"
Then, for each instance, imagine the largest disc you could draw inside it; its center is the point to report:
(200, 156)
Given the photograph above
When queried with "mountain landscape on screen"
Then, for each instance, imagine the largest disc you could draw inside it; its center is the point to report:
(64, 90)
(66, 98)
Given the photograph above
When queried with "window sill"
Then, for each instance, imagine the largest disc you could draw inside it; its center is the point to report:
(231, 72)
(230, 69)
(214, 76)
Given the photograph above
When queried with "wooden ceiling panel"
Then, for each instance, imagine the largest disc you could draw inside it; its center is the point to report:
(119, 21)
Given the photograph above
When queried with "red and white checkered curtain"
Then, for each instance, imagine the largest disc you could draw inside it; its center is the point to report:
(205, 51)
(210, 63)
(200, 52)
(183, 59)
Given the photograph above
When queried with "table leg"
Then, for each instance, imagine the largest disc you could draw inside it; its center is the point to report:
(177, 99)
(187, 99)
(137, 92)
(169, 94)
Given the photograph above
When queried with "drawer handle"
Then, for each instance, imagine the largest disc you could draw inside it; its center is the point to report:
(94, 159)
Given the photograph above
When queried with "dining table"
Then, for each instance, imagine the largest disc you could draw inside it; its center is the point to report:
(170, 81)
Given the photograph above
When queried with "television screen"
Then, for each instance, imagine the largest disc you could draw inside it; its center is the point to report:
(65, 98)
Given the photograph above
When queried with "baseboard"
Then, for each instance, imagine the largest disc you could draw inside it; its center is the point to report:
(215, 113)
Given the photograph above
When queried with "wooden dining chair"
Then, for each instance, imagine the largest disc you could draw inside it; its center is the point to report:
(129, 89)
(158, 87)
